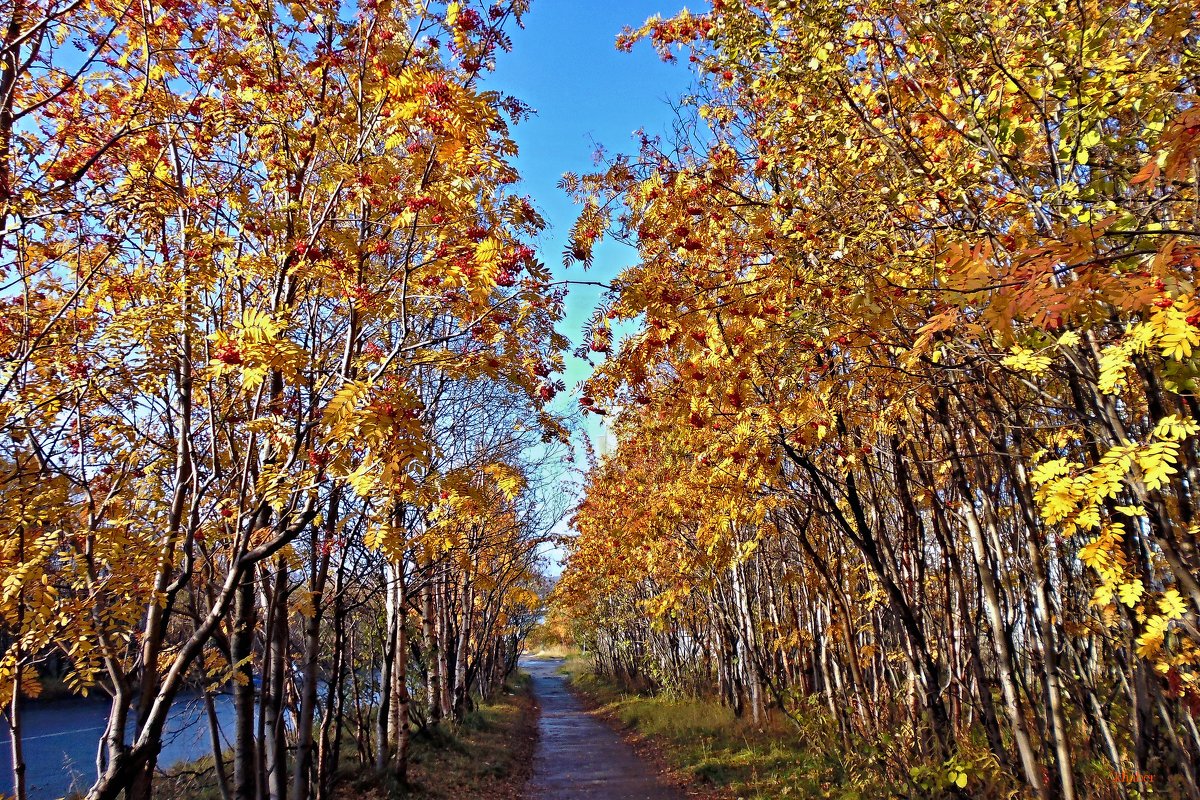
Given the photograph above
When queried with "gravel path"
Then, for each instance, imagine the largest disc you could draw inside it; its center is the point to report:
(580, 758)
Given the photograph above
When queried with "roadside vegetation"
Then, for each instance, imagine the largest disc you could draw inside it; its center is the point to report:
(277, 354)
(487, 755)
(705, 743)
(902, 388)
(721, 755)
(905, 392)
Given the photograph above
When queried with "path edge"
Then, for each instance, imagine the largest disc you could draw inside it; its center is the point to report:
(648, 749)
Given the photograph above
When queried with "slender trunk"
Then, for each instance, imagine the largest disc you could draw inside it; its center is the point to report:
(1058, 729)
(329, 754)
(991, 602)
(1182, 758)
(395, 611)
(274, 742)
(16, 743)
(859, 533)
(319, 569)
(746, 658)
(433, 680)
(462, 651)
(1004, 659)
(218, 751)
(400, 682)
(383, 713)
(241, 646)
(446, 700)
(941, 529)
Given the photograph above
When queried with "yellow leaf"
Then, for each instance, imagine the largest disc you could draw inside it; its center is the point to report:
(1157, 463)
(1023, 360)
(1172, 605)
(509, 480)
(1148, 644)
(1068, 339)
(1176, 428)
(1114, 362)
(344, 401)
(1131, 592)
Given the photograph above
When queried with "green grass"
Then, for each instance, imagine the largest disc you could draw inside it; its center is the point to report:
(806, 758)
(579, 672)
(705, 741)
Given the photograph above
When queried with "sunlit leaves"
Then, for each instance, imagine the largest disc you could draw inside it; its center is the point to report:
(873, 255)
(1024, 360)
(246, 250)
(1114, 362)
(1171, 605)
(1175, 335)
(508, 480)
(1131, 592)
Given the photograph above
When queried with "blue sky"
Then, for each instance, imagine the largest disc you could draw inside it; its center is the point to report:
(565, 64)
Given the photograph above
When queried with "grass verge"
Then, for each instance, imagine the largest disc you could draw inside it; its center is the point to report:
(718, 755)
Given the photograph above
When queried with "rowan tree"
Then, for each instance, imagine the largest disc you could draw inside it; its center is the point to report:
(914, 300)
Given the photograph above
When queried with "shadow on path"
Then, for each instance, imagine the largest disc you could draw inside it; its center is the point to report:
(578, 757)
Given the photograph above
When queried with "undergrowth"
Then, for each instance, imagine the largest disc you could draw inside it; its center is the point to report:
(487, 756)
(779, 758)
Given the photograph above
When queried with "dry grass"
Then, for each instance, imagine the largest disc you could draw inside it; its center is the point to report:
(488, 756)
(553, 651)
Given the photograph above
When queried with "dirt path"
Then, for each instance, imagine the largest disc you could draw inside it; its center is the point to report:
(580, 758)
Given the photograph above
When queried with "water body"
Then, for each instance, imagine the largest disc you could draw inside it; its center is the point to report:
(578, 757)
(61, 738)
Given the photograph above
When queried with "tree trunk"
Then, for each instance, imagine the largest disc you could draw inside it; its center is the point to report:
(274, 740)
(214, 737)
(400, 681)
(433, 678)
(14, 721)
(1004, 660)
(241, 646)
(462, 651)
(319, 569)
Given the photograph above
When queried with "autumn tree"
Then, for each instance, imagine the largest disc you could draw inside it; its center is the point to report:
(918, 328)
(243, 246)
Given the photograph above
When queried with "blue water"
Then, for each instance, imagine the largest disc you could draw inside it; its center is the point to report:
(61, 738)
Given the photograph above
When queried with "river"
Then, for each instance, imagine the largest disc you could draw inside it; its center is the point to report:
(61, 738)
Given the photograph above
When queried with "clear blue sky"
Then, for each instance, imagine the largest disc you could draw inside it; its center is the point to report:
(565, 64)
